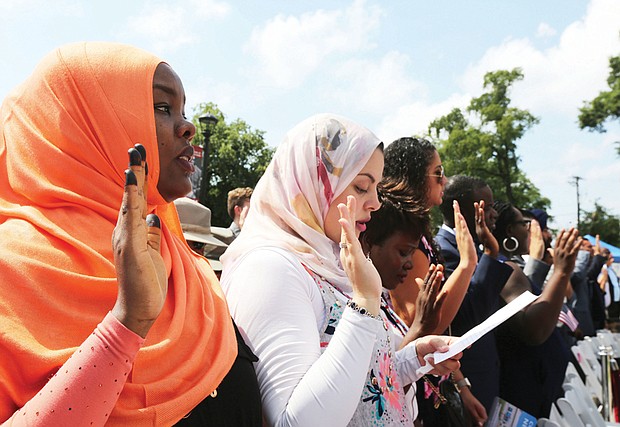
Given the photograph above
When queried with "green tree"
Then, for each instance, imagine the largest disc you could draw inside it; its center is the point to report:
(606, 105)
(238, 157)
(601, 222)
(482, 141)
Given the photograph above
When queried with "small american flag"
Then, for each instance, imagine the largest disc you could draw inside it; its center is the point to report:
(568, 318)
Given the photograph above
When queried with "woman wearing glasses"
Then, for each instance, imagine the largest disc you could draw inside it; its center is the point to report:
(413, 167)
(533, 356)
(416, 164)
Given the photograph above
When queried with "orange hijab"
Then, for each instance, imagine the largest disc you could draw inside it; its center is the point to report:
(64, 138)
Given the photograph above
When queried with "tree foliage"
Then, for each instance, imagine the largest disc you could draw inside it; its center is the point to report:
(600, 222)
(238, 157)
(606, 105)
(482, 141)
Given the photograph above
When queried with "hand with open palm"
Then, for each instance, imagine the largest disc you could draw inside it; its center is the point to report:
(140, 269)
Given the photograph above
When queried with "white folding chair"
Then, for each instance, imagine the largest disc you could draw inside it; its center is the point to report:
(580, 397)
(544, 422)
(568, 413)
(556, 417)
(583, 406)
(591, 368)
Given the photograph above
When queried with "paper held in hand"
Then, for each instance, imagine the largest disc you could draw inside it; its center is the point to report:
(474, 334)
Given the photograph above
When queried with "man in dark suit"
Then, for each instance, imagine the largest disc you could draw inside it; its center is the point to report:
(480, 364)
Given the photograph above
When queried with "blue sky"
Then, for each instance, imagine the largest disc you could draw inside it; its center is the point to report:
(393, 66)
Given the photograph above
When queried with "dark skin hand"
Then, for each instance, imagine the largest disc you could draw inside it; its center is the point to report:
(491, 247)
(537, 243)
(537, 321)
(142, 279)
(428, 305)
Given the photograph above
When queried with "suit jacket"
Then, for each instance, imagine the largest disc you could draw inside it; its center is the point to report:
(480, 363)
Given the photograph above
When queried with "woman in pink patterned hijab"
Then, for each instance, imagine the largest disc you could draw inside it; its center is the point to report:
(301, 290)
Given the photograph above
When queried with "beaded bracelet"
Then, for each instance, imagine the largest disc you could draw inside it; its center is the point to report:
(361, 310)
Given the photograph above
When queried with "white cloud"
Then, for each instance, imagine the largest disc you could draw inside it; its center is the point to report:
(414, 118)
(561, 77)
(209, 8)
(163, 25)
(169, 26)
(545, 30)
(290, 48)
(374, 87)
(227, 96)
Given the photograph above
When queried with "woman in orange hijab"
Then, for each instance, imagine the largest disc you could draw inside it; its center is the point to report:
(163, 341)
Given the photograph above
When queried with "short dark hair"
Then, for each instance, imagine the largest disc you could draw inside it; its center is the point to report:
(407, 159)
(460, 188)
(237, 197)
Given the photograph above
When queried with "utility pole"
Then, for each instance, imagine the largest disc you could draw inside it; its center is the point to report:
(575, 182)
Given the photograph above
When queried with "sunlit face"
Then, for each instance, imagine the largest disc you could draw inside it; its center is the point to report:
(174, 133)
(392, 258)
(436, 181)
(364, 189)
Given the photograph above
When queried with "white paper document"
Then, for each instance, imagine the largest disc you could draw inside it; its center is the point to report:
(474, 334)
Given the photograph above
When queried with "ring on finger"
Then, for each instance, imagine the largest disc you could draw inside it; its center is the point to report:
(344, 245)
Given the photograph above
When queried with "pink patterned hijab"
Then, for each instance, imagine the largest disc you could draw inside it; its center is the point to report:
(316, 161)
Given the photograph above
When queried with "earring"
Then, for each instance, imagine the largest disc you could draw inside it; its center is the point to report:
(514, 241)
(368, 257)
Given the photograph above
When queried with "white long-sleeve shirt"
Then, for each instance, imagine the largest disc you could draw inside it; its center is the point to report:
(279, 308)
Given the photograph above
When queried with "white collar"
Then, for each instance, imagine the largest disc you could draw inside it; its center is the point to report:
(448, 229)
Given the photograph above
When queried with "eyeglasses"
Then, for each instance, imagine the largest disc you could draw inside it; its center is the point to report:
(526, 222)
(441, 175)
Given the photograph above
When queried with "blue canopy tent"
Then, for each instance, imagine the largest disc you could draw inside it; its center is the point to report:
(615, 252)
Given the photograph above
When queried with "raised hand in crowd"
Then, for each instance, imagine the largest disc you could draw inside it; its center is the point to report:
(464, 239)
(483, 232)
(596, 248)
(362, 273)
(537, 243)
(538, 320)
(456, 285)
(566, 248)
(142, 279)
(428, 305)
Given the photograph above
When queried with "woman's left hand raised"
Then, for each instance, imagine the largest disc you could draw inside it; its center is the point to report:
(140, 269)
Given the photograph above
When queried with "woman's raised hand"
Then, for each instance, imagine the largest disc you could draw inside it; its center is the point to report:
(464, 240)
(140, 269)
(537, 242)
(427, 305)
(362, 273)
(491, 247)
(566, 249)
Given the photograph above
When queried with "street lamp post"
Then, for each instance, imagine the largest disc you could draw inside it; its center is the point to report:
(206, 121)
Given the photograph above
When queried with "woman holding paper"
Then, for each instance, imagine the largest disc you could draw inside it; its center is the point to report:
(532, 353)
(300, 288)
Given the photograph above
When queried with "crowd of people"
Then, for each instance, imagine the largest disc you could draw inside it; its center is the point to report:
(335, 290)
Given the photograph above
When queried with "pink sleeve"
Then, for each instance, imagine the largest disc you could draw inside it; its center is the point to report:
(86, 388)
